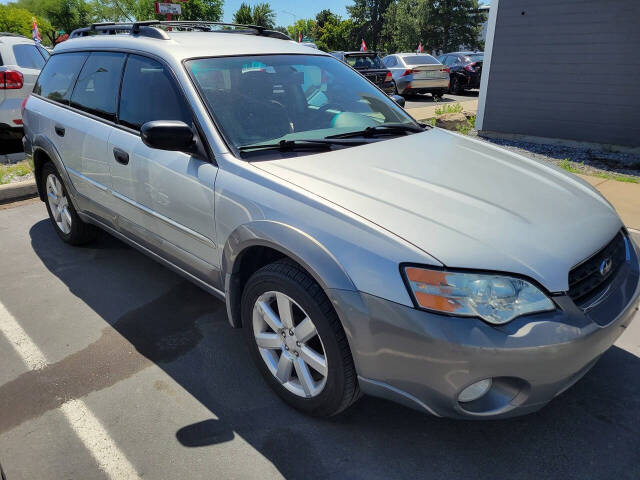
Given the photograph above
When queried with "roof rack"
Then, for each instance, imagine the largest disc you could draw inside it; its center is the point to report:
(158, 29)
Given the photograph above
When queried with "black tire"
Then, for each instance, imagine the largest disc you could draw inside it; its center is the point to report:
(341, 389)
(437, 95)
(80, 232)
(456, 86)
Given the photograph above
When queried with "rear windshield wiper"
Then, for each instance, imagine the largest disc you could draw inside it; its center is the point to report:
(290, 145)
(385, 129)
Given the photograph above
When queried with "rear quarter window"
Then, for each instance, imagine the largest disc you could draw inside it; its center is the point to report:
(59, 75)
(28, 56)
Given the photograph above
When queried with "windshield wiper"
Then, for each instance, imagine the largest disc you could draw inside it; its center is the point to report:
(290, 145)
(384, 129)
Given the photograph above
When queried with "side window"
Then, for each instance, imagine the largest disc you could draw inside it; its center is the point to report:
(150, 93)
(96, 90)
(59, 75)
(392, 62)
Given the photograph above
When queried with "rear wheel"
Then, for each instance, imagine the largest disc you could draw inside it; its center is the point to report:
(66, 222)
(297, 341)
(456, 86)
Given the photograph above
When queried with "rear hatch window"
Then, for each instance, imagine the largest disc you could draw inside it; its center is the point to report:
(28, 56)
(420, 60)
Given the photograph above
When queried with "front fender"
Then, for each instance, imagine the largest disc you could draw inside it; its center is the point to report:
(290, 241)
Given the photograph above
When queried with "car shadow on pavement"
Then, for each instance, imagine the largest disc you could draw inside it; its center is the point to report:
(590, 431)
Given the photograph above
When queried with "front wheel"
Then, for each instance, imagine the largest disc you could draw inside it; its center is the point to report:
(456, 86)
(297, 341)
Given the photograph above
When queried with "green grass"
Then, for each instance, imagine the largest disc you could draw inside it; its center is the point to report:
(446, 108)
(466, 128)
(569, 166)
(7, 172)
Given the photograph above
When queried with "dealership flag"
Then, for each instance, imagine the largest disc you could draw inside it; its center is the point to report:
(363, 46)
(299, 37)
(420, 47)
(35, 33)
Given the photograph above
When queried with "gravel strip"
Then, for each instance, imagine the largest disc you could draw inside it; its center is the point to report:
(590, 162)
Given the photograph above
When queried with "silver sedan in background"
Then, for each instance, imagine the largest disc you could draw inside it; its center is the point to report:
(417, 73)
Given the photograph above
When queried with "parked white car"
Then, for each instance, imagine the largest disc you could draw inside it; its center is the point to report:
(21, 60)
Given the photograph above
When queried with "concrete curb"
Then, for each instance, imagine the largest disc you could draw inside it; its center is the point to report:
(17, 191)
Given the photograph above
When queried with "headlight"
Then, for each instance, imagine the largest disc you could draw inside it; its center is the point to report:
(496, 299)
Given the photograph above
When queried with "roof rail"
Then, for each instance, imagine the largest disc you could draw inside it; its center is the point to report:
(158, 29)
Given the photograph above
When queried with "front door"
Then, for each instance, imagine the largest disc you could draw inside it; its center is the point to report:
(164, 198)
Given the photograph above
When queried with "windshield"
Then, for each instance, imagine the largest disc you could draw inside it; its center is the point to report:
(364, 61)
(419, 60)
(268, 98)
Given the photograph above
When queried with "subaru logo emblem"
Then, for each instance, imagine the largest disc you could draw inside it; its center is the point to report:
(605, 266)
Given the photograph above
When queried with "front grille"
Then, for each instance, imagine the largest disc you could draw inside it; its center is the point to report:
(594, 274)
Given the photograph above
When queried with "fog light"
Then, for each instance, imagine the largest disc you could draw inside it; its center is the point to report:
(475, 391)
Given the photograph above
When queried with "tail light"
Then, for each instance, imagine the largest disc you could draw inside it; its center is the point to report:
(445, 69)
(11, 80)
(387, 77)
(471, 67)
(408, 72)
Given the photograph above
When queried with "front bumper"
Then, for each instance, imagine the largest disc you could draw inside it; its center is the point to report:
(425, 360)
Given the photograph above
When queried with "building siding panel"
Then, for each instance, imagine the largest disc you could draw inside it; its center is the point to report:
(566, 69)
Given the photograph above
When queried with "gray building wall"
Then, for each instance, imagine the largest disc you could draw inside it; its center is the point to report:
(567, 69)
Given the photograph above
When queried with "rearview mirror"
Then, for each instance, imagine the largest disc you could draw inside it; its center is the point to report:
(398, 99)
(168, 135)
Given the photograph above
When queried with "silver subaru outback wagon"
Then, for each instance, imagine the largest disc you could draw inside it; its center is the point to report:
(360, 251)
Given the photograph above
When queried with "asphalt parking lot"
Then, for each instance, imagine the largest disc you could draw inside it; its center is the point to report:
(143, 369)
(424, 100)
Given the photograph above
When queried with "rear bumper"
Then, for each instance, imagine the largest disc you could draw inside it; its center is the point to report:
(425, 360)
(424, 86)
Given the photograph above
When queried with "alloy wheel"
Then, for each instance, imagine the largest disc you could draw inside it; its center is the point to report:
(289, 344)
(59, 204)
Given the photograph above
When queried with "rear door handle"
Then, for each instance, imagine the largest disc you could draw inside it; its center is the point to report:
(121, 156)
(59, 130)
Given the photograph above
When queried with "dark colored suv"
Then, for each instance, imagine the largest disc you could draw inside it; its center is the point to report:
(370, 66)
(465, 70)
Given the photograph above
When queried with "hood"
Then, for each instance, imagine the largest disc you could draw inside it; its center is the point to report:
(467, 203)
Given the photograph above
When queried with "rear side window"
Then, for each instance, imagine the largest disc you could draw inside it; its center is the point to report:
(149, 93)
(59, 75)
(96, 90)
(28, 56)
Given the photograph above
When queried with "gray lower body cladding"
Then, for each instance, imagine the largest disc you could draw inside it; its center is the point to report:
(425, 360)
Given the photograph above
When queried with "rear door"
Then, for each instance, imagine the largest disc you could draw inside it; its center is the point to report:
(60, 124)
(164, 198)
(96, 95)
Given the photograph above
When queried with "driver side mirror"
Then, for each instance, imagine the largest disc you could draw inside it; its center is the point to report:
(398, 99)
(168, 135)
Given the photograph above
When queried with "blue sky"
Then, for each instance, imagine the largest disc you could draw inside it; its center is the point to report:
(297, 8)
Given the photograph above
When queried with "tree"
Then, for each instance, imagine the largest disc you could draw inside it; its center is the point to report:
(454, 23)
(264, 15)
(243, 14)
(369, 16)
(304, 26)
(445, 25)
(261, 14)
(19, 20)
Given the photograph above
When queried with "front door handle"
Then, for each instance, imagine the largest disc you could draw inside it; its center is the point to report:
(121, 156)
(59, 130)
